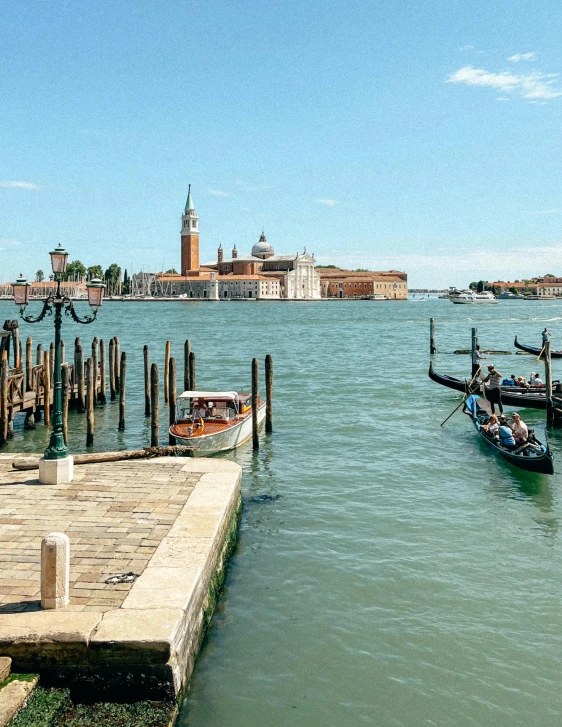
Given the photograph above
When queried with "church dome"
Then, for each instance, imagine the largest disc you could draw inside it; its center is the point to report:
(262, 248)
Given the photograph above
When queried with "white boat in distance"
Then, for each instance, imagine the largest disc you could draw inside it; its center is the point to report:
(472, 297)
(214, 421)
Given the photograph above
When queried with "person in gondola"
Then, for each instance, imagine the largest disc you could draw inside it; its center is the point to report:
(522, 382)
(492, 427)
(493, 394)
(506, 434)
(519, 429)
(477, 357)
(545, 336)
(535, 379)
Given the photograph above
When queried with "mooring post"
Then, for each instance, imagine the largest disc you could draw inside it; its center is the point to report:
(172, 395)
(255, 389)
(154, 390)
(112, 369)
(186, 352)
(75, 366)
(80, 379)
(432, 348)
(103, 384)
(166, 372)
(17, 347)
(122, 390)
(191, 371)
(548, 383)
(95, 362)
(146, 356)
(65, 371)
(117, 362)
(39, 355)
(4, 367)
(28, 364)
(268, 393)
(47, 388)
(90, 388)
(474, 357)
(55, 571)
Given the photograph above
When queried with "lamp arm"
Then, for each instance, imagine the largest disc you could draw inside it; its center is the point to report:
(69, 311)
(47, 309)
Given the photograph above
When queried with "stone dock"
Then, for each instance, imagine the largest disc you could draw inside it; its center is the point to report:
(172, 521)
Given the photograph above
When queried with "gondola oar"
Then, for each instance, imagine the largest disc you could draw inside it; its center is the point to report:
(464, 397)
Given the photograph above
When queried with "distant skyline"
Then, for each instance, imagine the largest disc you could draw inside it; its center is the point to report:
(423, 136)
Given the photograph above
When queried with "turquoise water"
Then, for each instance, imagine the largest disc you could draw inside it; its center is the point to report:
(395, 573)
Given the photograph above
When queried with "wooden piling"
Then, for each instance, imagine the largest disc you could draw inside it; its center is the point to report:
(95, 363)
(117, 363)
(4, 415)
(268, 393)
(474, 359)
(75, 366)
(122, 390)
(47, 388)
(172, 395)
(39, 355)
(548, 383)
(146, 354)
(432, 347)
(154, 390)
(80, 393)
(103, 384)
(90, 390)
(17, 347)
(166, 372)
(255, 388)
(29, 364)
(65, 370)
(191, 371)
(186, 352)
(112, 369)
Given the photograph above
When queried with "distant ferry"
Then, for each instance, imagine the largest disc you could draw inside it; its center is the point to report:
(472, 297)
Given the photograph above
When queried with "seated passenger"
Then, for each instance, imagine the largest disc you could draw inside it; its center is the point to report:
(506, 435)
(492, 426)
(199, 409)
(514, 380)
(521, 382)
(519, 429)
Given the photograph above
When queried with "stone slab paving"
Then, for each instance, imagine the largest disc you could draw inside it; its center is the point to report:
(170, 520)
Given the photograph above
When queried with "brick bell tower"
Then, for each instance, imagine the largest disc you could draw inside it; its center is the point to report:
(189, 237)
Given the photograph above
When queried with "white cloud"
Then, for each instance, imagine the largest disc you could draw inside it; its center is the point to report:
(521, 57)
(556, 211)
(502, 98)
(327, 202)
(9, 241)
(466, 47)
(19, 185)
(218, 193)
(531, 86)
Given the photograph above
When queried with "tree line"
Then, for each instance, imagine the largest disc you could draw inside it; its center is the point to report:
(76, 271)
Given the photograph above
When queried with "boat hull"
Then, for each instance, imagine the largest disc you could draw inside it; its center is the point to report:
(224, 440)
(509, 395)
(536, 350)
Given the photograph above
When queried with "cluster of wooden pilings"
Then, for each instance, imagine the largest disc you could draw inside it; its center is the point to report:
(29, 389)
(152, 390)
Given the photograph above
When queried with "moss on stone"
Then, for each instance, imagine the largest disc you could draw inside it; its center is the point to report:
(19, 678)
(42, 708)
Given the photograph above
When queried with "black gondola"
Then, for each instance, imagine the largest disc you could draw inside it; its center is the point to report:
(532, 456)
(511, 395)
(536, 350)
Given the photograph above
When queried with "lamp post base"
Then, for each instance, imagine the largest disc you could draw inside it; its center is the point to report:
(56, 471)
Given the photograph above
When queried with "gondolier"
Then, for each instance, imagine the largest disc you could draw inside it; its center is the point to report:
(477, 356)
(494, 380)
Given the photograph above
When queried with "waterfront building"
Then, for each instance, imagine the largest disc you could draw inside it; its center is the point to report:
(341, 283)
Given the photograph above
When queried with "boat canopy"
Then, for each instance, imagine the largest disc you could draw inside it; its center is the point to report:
(232, 395)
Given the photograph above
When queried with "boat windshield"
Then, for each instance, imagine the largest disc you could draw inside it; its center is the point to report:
(191, 409)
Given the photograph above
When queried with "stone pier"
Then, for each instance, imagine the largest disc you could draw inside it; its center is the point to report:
(171, 521)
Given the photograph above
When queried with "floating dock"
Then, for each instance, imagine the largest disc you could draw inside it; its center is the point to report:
(172, 521)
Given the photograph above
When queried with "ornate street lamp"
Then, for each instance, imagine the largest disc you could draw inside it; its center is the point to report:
(57, 450)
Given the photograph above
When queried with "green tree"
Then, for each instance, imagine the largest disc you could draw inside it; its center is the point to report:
(75, 271)
(480, 286)
(473, 286)
(172, 271)
(39, 276)
(112, 277)
(361, 270)
(126, 288)
(95, 271)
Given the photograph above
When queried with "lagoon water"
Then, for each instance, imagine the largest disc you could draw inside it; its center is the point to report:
(389, 571)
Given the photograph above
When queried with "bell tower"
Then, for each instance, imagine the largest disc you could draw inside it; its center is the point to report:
(189, 237)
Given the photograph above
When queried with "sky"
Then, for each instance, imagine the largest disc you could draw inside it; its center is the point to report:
(420, 136)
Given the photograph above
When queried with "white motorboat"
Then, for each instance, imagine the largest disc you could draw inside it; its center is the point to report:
(214, 421)
(472, 297)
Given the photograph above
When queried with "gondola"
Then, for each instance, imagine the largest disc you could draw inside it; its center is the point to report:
(533, 456)
(535, 350)
(511, 395)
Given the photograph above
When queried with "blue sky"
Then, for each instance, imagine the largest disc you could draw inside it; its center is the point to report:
(423, 136)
